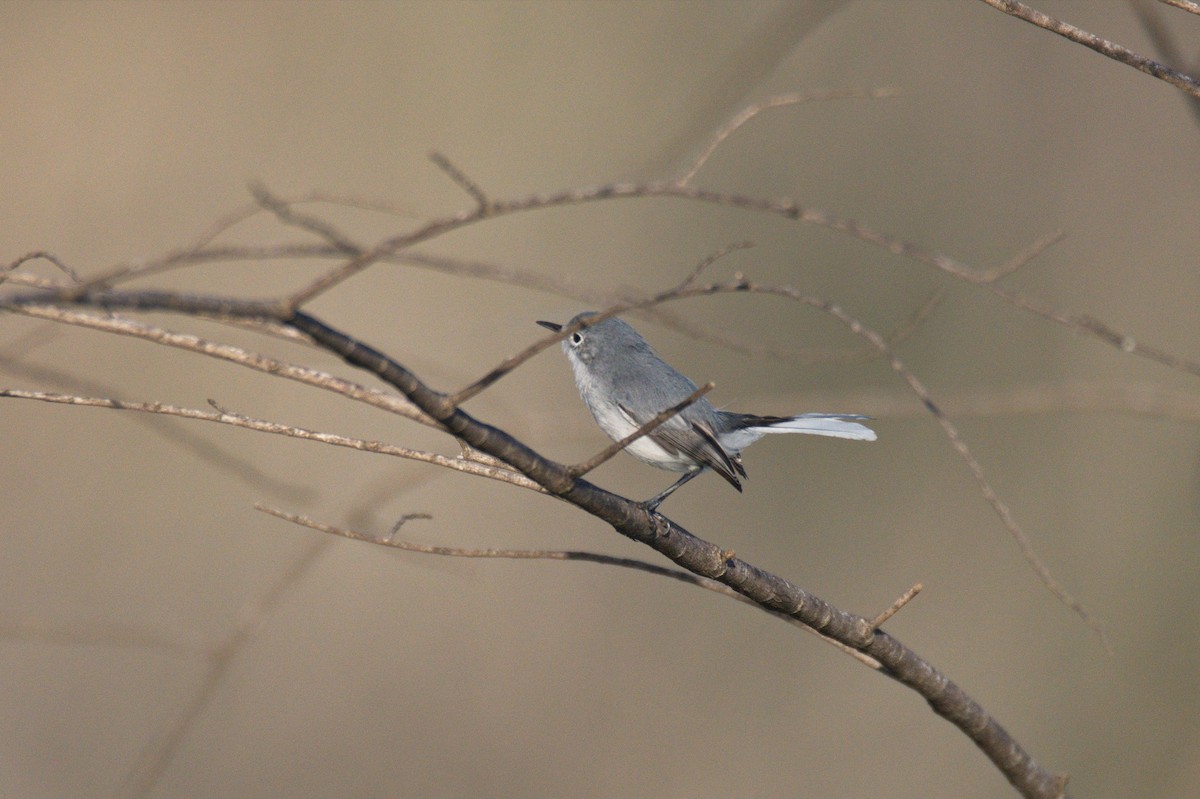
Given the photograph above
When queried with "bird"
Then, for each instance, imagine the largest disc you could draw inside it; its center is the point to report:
(625, 384)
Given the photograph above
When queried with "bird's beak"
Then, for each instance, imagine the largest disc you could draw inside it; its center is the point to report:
(555, 326)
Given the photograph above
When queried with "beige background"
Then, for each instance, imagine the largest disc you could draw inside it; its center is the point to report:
(129, 128)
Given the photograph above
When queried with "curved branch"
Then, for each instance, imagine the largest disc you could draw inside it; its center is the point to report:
(152, 300)
(708, 560)
(697, 556)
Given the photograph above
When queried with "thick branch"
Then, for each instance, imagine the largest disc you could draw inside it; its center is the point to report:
(630, 519)
(706, 559)
(160, 300)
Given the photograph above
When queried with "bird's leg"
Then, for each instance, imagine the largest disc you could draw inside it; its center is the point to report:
(651, 505)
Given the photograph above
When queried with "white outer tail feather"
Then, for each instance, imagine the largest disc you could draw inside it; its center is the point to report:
(821, 424)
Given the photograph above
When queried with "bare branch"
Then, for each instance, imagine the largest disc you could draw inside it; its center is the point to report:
(512, 362)
(368, 257)
(1081, 323)
(227, 352)
(1021, 259)
(556, 555)
(289, 216)
(778, 101)
(1152, 24)
(989, 494)
(447, 404)
(896, 606)
(706, 559)
(456, 266)
(237, 420)
(202, 251)
(789, 210)
(1103, 46)
(711, 259)
(627, 517)
(39, 255)
(1185, 5)
(560, 478)
(197, 446)
(580, 469)
(460, 177)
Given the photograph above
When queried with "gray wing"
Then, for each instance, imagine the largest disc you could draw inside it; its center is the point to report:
(651, 385)
(695, 439)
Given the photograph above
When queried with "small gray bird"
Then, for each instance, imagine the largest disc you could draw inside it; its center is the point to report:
(625, 384)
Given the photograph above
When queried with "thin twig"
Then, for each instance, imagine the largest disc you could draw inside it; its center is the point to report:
(513, 361)
(263, 426)
(1022, 259)
(508, 364)
(579, 556)
(552, 284)
(200, 447)
(39, 255)
(458, 176)
(896, 606)
(960, 446)
(388, 249)
(1185, 5)
(396, 526)
(903, 331)
(389, 246)
(313, 224)
(711, 259)
(201, 249)
(390, 402)
(1103, 46)
(778, 101)
(580, 469)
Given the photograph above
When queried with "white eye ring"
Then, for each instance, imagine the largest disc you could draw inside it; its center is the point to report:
(576, 338)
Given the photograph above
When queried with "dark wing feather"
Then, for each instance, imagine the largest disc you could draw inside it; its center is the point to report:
(698, 442)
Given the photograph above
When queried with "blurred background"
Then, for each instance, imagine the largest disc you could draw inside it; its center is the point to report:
(132, 553)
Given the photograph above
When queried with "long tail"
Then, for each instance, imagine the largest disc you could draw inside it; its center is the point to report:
(836, 425)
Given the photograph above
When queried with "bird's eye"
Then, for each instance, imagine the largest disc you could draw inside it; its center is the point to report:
(576, 338)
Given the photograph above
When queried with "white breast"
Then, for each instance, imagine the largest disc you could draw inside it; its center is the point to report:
(617, 424)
